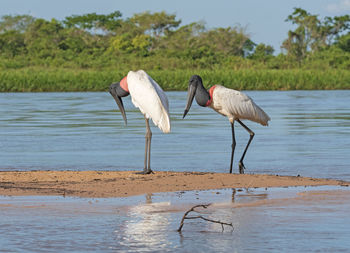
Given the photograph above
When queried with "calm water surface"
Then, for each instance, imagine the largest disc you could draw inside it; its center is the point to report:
(308, 136)
(274, 220)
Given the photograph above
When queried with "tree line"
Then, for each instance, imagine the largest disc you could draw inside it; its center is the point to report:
(158, 41)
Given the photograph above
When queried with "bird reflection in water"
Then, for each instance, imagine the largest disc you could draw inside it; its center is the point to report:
(145, 225)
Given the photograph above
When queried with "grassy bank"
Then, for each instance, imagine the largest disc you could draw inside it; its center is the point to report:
(37, 79)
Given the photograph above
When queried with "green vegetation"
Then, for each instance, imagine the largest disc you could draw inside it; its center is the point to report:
(242, 79)
(88, 52)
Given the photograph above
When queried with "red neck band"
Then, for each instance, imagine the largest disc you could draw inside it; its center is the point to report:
(211, 91)
(124, 84)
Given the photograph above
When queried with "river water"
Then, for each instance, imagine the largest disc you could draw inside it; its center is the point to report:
(312, 219)
(309, 135)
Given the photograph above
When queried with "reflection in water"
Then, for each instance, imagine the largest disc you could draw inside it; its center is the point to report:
(146, 226)
(308, 135)
(233, 195)
(152, 226)
(274, 220)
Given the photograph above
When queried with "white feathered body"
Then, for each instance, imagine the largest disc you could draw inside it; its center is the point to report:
(147, 95)
(236, 105)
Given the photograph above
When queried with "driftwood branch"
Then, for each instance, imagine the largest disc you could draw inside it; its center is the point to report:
(185, 217)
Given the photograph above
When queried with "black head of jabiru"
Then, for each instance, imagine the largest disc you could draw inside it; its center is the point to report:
(119, 90)
(196, 90)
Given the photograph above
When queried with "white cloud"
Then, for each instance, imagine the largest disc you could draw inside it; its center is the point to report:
(341, 6)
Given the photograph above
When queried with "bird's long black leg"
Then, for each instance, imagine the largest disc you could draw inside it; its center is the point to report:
(233, 144)
(146, 151)
(251, 133)
(149, 136)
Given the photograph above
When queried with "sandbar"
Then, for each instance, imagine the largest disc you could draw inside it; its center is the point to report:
(101, 184)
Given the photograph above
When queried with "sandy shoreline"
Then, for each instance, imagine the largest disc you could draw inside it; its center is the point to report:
(127, 183)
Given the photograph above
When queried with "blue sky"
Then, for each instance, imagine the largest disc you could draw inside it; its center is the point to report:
(264, 20)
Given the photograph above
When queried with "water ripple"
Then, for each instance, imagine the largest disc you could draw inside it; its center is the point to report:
(308, 134)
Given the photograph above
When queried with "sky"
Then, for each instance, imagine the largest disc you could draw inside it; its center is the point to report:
(264, 20)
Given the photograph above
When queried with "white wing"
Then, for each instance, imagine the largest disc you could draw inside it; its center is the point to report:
(236, 105)
(147, 95)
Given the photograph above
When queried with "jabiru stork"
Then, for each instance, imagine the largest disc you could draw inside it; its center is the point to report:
(230, 103)
(149, 97)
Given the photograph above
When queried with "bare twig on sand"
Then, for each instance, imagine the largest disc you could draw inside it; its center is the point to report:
(201, 217)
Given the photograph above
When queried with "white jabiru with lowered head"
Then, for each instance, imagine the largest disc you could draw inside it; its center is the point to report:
(149, 97)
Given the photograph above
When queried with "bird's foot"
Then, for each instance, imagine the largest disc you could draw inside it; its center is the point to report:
(145, 172)
(241, 167)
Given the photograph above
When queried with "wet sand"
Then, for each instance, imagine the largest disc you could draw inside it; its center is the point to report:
(127, 183)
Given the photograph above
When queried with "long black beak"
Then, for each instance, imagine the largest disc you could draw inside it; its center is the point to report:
(119, 102)
(190, 96)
